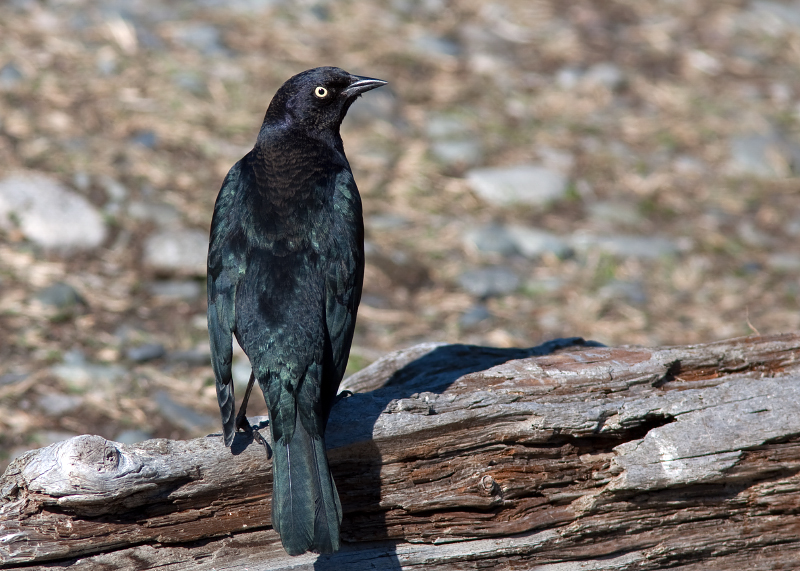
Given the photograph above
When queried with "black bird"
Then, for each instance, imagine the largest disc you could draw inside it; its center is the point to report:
(285, 271)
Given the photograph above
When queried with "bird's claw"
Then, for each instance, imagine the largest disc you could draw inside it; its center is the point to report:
(343, 395)
(244, 425)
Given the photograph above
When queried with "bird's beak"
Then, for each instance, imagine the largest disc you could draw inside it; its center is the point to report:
(361, 85)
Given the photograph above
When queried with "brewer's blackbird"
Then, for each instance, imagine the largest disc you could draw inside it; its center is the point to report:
(285, 270)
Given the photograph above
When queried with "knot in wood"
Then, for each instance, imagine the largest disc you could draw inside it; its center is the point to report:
(489, 486)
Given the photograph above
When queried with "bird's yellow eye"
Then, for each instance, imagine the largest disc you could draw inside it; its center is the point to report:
(321, 92)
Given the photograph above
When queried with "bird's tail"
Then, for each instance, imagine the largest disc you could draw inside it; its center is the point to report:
(306, 511)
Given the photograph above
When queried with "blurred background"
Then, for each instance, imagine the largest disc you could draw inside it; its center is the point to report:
(620, 170)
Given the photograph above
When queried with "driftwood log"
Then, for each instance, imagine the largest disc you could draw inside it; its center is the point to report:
(564, 457)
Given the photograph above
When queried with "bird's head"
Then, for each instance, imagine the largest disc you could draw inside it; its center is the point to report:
(317, 99)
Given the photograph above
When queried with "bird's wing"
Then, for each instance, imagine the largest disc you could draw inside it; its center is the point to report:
(344, 283)
(224, 263)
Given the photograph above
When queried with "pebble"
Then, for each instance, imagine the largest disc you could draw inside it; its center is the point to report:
(533, 243)
(177, 252)
(614, 213)
(467, 152)
(644, 247)
(56, 404)
(521, 184)
(187, 290)
(474, 315)
(80, 375)
(7, 379)
(163, 215)
(631, 291)
(60, 295)
(491, 239)
(10, 77)
(182, 416)
(204, 38)
(607, 74)
(191, 357)
(48, 214)
(784, 262)
(147, 139)
(490, 281)
(132, 436)
(146, 352)
(751, 154)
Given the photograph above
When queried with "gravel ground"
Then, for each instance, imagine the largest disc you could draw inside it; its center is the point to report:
(624, 171)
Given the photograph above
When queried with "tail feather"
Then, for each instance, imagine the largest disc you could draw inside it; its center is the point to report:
(227, 409)
(306, 511)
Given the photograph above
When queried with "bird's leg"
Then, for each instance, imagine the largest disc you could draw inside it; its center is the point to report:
(241, 419)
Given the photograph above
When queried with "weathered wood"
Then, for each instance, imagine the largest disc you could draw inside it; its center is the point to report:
(459, 457)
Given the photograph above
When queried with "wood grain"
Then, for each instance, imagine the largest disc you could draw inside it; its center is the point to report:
(567, 456)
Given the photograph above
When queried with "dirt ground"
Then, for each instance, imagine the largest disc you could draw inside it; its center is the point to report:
(675, 121)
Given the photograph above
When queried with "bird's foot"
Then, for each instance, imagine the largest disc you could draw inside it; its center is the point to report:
(244, 425)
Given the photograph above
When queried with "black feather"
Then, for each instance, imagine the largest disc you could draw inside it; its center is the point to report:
(285, 271)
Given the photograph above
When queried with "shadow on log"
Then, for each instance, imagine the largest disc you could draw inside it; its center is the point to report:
(568, 456)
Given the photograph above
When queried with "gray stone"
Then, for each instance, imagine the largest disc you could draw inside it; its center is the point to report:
(533, 243)
(191, 357)
(48, 214)
(176, 289)
(784, 262)
(752, 236)
(466, 152)
(491, 239)
(204, 38)
(132, 436)
(755, 155)
(386, 222)
(146, 352)
(556, 159)
(793, 227)
(436, 46)
(474, 315)
(379, 105)
(631, 292)
(80, 375)
(568, 77)
(440, 126)
(7, 379)
(606, 74)
(60, 295)
(522, 184)
(183, 416)
(614, 213)
(645, 247)
(177, 252)
(145, 138)
(489, 282)
(56, 404)
(10, 77)
(162, 214)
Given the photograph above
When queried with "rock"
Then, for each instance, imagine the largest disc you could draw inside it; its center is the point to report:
(191, 357)
(146, 352)
(632, 292)
(568, 77)
(439, 126)
(48, 214)
(204, 38)
(132, 436)
(146, 138)
(175, 289)
(522, 184)
(60, 295)
(606, 74)
(10, 77)
(784, 262)
(615, 213)
(436, 46)
(379, 105)
(7, 379)
(386, 222)
(489, 282)
(756, 155)
(164, 215)
(491, 239)
(474, 315)
(183, 416)
(466, 152)
(56, 404)
(556, 159)
(533, 243)
(177, 252)
(793, 227)
(645, 247)
(80, 375)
